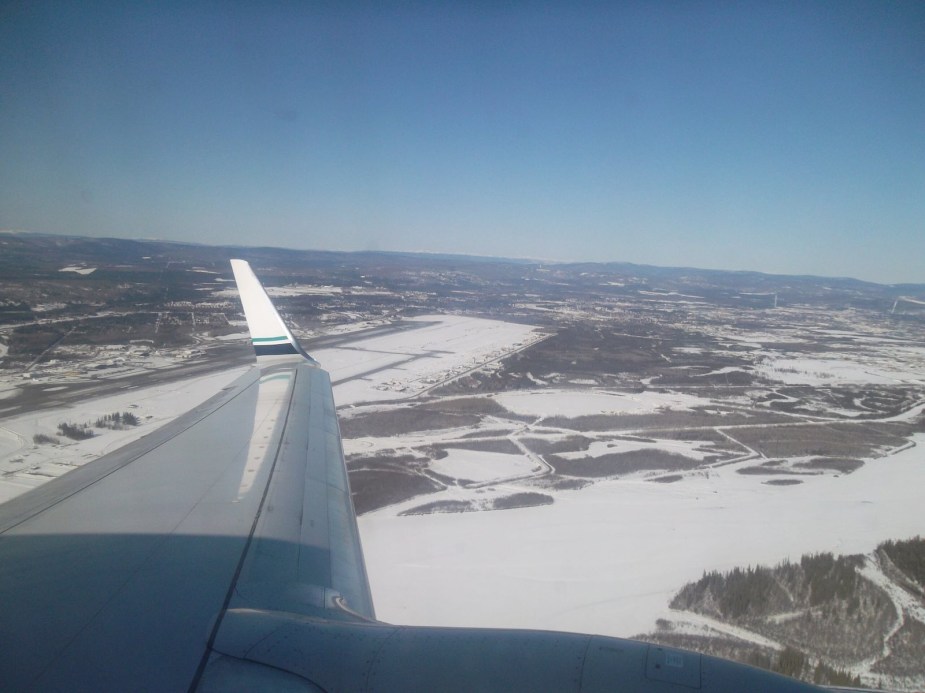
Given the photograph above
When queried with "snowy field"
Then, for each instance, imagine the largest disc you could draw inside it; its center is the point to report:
(408, 362)
(608, 558)
(838, 371)
(480, 466)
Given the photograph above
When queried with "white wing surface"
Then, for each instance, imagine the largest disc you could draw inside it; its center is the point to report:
(269, 334)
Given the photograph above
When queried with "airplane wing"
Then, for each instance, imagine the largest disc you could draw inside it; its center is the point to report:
(221, 552)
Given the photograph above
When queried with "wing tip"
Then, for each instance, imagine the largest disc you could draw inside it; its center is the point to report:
(270, 336)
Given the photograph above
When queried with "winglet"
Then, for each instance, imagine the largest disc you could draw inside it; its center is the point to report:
(269, 334)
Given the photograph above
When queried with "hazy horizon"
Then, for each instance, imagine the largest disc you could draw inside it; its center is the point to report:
(472, 256)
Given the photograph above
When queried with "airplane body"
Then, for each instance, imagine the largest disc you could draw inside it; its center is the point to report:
(221, 552)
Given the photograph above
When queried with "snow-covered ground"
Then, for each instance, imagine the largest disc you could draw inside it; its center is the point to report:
(867, 354)
(597, 448)
(481, 466)
(407, 362)
(841, 370)
(609, 557)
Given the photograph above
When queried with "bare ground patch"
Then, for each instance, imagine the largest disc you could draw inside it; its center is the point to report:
(559, 483)
(468, 405)
(664, 420)
(488, 445)
(762, 470)
(373, 489)
(846, 465)
(442, 506)
(906, 648)
(700, 435)
(382, 480)
(824, 440)
(667, 479)
(548, 446)
(525, 499)
(618, 463)
(400, 421)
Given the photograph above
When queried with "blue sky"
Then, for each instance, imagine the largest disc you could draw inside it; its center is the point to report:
(785, 137)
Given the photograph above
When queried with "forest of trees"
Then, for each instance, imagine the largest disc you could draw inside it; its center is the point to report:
(909, 557)
(76, 431)
(822, 609)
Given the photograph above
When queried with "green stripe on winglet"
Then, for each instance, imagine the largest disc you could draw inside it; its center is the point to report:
(269, 339)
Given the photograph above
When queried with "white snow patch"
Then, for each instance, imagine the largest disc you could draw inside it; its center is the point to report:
(823, 371)
(234, 337)
(721, 371)
(45, 307)
(695, 449)
(405, 363)
(479, 465)
(303, 290)
(78, 270)
(698, 624)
